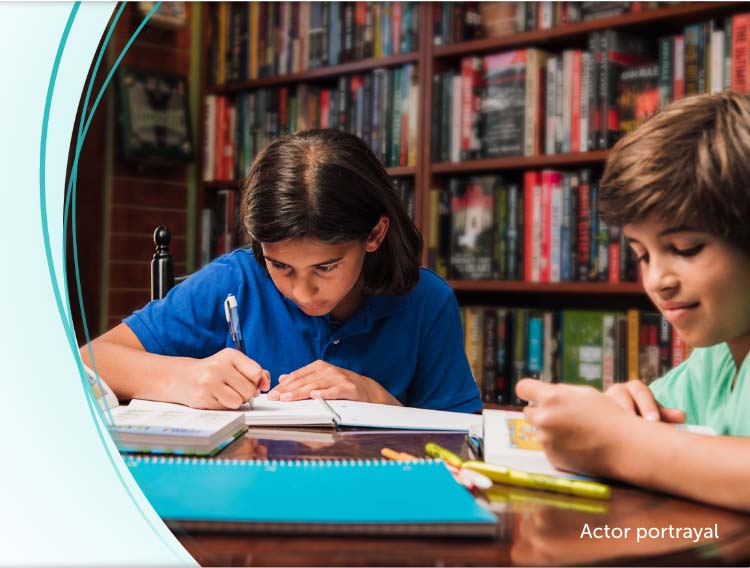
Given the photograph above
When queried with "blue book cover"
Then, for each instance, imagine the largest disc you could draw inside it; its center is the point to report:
(388, 498)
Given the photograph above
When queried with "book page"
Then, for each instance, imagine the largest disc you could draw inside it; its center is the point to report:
(510, 441)
(264, 412)
(369, 415)
(179, 421)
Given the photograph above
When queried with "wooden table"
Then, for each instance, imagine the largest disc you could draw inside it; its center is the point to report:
(536, 528)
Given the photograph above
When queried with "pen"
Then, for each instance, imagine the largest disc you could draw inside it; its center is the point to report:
(508, 476)
(233, 321)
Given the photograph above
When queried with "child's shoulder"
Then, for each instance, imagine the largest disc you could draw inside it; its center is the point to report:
(432, 286)
(238, 265)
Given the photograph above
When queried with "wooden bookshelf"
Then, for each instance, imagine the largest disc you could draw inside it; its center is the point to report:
(521, 162)
(598, 288)
(312, 75)
(669, 16)
(430, 59)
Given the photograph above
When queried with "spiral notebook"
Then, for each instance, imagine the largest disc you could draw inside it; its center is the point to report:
(384, 498)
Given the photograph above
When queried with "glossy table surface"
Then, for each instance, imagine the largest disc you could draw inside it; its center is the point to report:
(536, 528)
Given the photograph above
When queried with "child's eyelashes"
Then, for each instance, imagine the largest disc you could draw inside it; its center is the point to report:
(688, 252)
(322, 268)
(279, 266)
(692, 251)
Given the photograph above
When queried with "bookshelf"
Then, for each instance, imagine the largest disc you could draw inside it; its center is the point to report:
(598, 292)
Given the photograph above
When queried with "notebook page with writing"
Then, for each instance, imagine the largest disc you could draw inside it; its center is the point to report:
(309, 496)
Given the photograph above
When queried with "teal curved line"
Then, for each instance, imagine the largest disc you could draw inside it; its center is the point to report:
(70, 194)
(72, 187)
(47, 249)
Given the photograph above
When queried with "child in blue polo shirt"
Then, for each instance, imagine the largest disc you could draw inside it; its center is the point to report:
(331, 298)
(680, 187)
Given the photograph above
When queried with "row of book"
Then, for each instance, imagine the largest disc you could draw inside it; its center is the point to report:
(221, 233)
(707, 57)
(585, 347)
(544, 227)
(258, 39)
(463, 21)
(528, 102)
(380, 107)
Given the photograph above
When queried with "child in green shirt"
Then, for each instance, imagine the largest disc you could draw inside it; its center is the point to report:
(680, 188)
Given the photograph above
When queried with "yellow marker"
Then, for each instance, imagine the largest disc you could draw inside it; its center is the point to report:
(435, 451)
(397, 456)
(502, 474)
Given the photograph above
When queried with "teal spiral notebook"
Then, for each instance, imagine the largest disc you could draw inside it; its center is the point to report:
(300, 496)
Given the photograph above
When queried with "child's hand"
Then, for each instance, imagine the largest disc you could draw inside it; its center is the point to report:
(578, 427)
(636, 397)
(323, 380)
(226, 379)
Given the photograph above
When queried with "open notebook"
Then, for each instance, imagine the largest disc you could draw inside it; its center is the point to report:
(384, 498)
(331, 413)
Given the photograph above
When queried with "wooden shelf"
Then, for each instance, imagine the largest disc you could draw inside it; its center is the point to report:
(400, 171)
(565, 33)
(513, 286)
(521, 162)
(330, 72)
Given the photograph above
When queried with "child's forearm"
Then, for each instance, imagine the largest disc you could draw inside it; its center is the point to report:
(130, 370)
(712, 469)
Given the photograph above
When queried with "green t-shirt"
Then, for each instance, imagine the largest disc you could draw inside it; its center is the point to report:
(702, 387)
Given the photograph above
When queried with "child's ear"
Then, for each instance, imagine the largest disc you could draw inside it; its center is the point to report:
(377, 235)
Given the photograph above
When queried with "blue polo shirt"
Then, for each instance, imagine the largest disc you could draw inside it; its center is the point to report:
(412, 345)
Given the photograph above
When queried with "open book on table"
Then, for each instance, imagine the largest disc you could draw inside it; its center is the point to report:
(510, 441)
(166, 430)
(332, 413)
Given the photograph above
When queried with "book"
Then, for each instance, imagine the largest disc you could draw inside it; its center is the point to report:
(385, 498)
(638, 95)
(332, 413)
(165, 430)
(508, 440)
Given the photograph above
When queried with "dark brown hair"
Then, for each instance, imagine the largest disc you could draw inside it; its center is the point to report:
(327, 185)
(688, 165)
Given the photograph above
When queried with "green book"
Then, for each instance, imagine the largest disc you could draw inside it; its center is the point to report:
(582, 339)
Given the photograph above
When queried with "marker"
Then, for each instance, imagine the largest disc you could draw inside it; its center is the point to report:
(233, 321)
(435, 451)
(508, 476)
(397, 456)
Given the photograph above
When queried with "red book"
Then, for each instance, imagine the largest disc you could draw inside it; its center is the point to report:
(575, 113)
(396, 27)
(679, 351)
(740, 52)
(614, 262)
(678, 85)
(546, 228)
(532, 217)
(325, 107)
(221, 114)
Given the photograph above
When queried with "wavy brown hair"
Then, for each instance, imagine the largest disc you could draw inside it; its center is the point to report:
(327, 185)
(687, 165)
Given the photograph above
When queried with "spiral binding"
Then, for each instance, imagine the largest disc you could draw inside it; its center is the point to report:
(354, 462)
